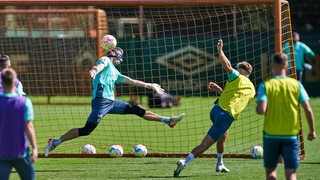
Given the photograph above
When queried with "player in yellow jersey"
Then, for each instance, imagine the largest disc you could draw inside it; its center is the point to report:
(278, 100)
(238, 91)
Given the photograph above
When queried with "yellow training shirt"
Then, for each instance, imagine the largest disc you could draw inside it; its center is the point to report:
(282, 115)
(236, 95)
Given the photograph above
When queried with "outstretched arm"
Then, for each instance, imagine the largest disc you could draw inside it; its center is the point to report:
(156, 87)
(215, 87)
(223, 59)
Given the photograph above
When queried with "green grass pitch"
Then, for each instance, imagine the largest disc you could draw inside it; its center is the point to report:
(162, 168)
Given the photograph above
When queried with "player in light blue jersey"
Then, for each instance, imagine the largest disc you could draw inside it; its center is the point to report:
(104, 75)
(302, 52)
(6, 63)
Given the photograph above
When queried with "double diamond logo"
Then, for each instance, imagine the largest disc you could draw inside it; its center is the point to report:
(188, 60)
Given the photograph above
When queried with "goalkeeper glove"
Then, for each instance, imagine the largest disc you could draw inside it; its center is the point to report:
(156, 87)
(93, 72)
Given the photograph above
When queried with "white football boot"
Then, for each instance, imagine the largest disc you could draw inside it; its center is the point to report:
(181, 164)
(175, 119)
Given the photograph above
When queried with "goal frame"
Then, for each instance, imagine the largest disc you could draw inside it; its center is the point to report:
(98, 3)
(277, 4)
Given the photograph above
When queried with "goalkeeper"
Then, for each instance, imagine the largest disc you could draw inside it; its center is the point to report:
(104, 75)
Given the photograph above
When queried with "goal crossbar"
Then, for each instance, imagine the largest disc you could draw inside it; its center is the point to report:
(169, 45)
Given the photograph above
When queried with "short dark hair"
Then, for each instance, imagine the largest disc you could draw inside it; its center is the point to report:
(8, 77)
(280, 59)
(4, 61)
(295, 36)
(245, 66)
(116, 52)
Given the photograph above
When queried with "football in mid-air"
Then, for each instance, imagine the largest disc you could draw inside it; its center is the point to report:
(116, 151)
(88, 149)
(256, 152)
(108, 42)
(140, 150)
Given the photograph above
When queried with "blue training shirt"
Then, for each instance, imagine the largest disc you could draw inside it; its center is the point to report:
(103, 83)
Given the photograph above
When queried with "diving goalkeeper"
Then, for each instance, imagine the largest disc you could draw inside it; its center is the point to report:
(104, 75)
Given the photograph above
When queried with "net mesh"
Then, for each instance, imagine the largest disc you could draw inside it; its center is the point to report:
(53, 51)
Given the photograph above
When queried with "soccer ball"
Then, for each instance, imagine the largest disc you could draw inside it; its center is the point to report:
(88, 149)
(108, 42)
(256, 152)
(140, 150)
(116, 151)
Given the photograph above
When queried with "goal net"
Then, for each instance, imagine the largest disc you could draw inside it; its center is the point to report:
(175, 46)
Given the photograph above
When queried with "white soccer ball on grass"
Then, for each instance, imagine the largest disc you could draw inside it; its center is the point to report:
(88, 149)
(116, 151)
(140, 150)
(256, 152)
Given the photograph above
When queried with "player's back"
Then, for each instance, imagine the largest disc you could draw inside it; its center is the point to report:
(12, 125)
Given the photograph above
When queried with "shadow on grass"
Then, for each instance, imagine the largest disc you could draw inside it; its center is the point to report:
(161, 177)
(310, 162)
(57, 170)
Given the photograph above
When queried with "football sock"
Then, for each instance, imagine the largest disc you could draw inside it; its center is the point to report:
(219, 156)
(189, 158)
(166, 120)
(56, 142)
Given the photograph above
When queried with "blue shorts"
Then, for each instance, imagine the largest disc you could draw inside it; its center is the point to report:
(23, 166)
(221, 120)
(274, 147)
(299, 75)
(101, 107)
